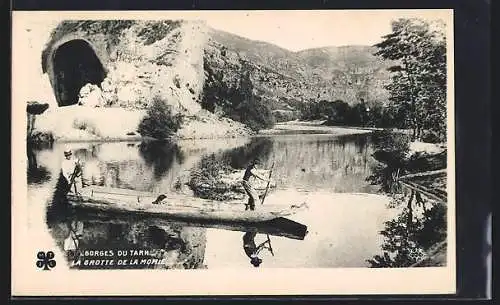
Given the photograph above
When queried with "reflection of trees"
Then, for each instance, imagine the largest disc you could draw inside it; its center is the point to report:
(421, 224)
(36, 174)
(241, 156)
(407, 238)
(160, 155)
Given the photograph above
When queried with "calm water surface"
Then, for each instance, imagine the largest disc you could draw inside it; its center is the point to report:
(344, 216)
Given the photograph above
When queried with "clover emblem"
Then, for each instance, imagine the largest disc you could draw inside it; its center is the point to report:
(45, 260)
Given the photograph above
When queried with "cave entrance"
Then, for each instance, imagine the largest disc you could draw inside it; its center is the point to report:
(75, 64)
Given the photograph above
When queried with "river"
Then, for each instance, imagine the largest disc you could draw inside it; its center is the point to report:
(344, 216)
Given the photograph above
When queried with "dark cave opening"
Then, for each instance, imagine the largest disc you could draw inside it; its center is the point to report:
(75, 64)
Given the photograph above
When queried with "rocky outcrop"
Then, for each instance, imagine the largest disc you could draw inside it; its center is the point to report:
(139, 60)
(121, 66)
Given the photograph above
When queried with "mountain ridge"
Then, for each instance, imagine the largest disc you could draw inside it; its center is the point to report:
(350, 73)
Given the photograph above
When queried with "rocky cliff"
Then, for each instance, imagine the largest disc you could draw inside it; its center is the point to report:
(287, 78)
(116, 68)
(100, 70)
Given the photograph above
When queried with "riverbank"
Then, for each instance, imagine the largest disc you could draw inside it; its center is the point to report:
(89, 124)
(312, 127)
(108, 124)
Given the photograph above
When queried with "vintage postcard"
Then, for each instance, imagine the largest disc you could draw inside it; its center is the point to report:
(233, 153)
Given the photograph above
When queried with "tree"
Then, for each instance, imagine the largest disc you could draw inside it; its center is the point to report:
(418, 83)
(159, 122)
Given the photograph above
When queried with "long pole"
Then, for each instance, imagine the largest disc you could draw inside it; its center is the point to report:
(268, 184)
(262, 202)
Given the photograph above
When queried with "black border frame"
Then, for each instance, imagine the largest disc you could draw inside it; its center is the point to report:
(473, 136)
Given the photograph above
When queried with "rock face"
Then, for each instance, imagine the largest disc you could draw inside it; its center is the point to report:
(124, 64)
(286, 79)
(130, 61)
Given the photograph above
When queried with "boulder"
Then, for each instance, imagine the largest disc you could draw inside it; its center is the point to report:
(91, 96)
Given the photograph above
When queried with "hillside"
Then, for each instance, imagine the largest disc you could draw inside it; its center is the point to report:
(284, 77)
(352, 72)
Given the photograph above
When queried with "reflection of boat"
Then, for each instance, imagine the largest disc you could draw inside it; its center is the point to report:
(175, 206)
(277, 227)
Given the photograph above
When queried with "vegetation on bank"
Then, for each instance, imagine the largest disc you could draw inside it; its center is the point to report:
(417, 89)
(159, 122)
(340, 113)
(206, 180)
(418, 83)
(412, 235)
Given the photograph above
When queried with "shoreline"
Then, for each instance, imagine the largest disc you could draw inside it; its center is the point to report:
(280, 129)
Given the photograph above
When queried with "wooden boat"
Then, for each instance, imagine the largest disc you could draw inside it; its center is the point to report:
(175, 206)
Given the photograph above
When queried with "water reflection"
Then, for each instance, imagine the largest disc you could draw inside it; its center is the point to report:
(304, 163)
(101, 243)
(252, 250)
(161, 155)
(37, 174)
(418, 230)
(240, 157)
(309, 163)
(407, 238)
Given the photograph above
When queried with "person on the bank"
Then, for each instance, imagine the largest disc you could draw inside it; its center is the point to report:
(71, 171)
(247, 185)
(251, 249)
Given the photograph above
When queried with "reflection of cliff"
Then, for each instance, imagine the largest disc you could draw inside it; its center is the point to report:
(308, 163)
(133, 166)
(337, 164)
(173, 246)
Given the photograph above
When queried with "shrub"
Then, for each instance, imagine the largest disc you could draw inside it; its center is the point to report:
(391, 150)
(159, 123)
(285, 115)
(387, 140)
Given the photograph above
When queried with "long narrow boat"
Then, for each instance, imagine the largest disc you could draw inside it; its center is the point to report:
(175, 206)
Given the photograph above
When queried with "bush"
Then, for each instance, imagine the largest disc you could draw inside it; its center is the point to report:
(159, 123)
(391, 150)
(386, 140)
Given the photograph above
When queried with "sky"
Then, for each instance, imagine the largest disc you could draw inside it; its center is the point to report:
(299, 30)
(293, 30)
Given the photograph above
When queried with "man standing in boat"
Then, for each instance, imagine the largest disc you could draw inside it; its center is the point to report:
(71, 170)
(247, 185)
